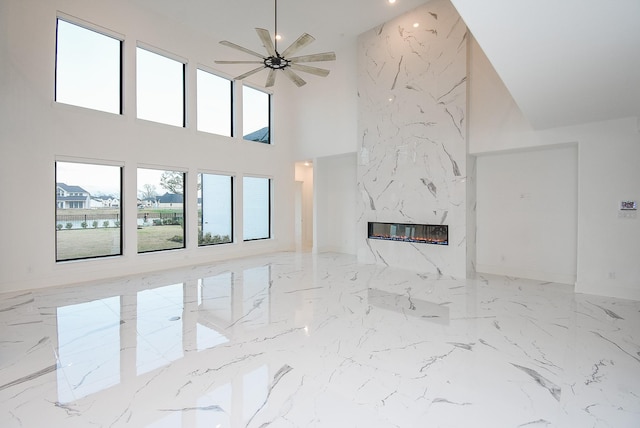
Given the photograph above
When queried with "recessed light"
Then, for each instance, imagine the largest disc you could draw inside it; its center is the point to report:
(392, 1)
(416, 24)
(278, 37)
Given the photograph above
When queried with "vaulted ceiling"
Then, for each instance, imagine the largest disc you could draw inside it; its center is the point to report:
(564, 62)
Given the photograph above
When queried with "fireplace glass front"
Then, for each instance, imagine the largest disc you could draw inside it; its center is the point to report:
(419, 233)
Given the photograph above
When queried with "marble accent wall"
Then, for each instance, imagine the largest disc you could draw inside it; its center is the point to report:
(412, 150)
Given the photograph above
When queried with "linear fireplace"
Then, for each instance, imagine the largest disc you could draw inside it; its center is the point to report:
(437, 234)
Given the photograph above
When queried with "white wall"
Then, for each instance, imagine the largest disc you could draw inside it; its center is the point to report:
(323, 113)
(335, 204)
(304, 175)
(527, 214)
(608, 244)
(35, 131)
(608, 247)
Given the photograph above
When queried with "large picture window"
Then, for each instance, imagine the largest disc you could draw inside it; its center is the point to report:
(88, 68)
(256, 208)
(161, 209)
(214, 104)
(160, 87)
(88, 211)
(256, 115)
(216, 209)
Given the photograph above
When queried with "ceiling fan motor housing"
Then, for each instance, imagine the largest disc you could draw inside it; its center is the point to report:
(276, 62)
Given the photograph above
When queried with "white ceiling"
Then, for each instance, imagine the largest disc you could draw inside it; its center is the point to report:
(564, 61)
(328, 21)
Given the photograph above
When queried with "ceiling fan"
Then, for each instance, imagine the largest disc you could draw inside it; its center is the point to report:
(274, 60)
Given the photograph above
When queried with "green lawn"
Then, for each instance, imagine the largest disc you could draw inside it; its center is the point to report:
(81, 243)
(153, 238)
(90, 242)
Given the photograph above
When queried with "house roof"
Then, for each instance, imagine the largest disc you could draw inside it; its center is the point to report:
(170, 198)
(74, 189)
(71, 198)
(261, 135)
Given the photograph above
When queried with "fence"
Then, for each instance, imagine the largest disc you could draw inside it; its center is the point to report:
(81, 221)
(76, 220)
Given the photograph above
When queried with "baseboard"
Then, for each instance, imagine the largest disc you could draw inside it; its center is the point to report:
(608, 289)
(537, 275)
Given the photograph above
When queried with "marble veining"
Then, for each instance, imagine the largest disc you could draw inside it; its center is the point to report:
(412, 168)
(302, 340)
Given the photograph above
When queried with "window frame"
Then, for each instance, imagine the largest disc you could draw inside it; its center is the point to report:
(168, 55)
(103, 32)
(121, 207)
(232, 206)
(184, 208)
(269, 211)
(269, 114)
(232, 101)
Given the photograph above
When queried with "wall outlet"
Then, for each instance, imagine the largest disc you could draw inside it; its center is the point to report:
(612, 275)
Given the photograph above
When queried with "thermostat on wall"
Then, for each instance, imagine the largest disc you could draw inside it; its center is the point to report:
(628, 205)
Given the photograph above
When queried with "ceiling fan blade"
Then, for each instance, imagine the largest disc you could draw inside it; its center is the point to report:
(249, 73)
(302, 41)
(240, 48)
(308, 69)
(325, 56)
(265, 37)
(271, 78)
(294, 77)
(238, 62)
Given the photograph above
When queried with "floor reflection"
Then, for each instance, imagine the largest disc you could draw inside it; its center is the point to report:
(164, 324)
(316, 340)
(408, 305)
(88, 347)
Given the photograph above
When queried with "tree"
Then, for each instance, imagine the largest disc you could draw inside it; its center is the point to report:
(173, 182)
(148, 192)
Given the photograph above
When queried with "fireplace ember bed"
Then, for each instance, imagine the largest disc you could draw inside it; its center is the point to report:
(437, 234)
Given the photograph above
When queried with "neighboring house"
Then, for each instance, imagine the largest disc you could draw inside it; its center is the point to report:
(105, 202)
(148, 203)
(260, 136)
(68, 197)
(97, 203)
(170, 200)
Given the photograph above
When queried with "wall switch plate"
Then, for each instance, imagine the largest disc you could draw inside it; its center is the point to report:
(629, 214)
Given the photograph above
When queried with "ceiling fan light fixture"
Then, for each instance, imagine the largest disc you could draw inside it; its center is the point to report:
(275, 61)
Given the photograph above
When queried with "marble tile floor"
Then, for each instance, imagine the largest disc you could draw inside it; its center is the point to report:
(302, 340)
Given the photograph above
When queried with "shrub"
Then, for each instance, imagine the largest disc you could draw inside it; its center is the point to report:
(84, 224)
(59, 226)
(105, 223)
(116, 223)
(176, 238)
(207, 238)
(157, 222)
(68, 225)
(94, 224)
